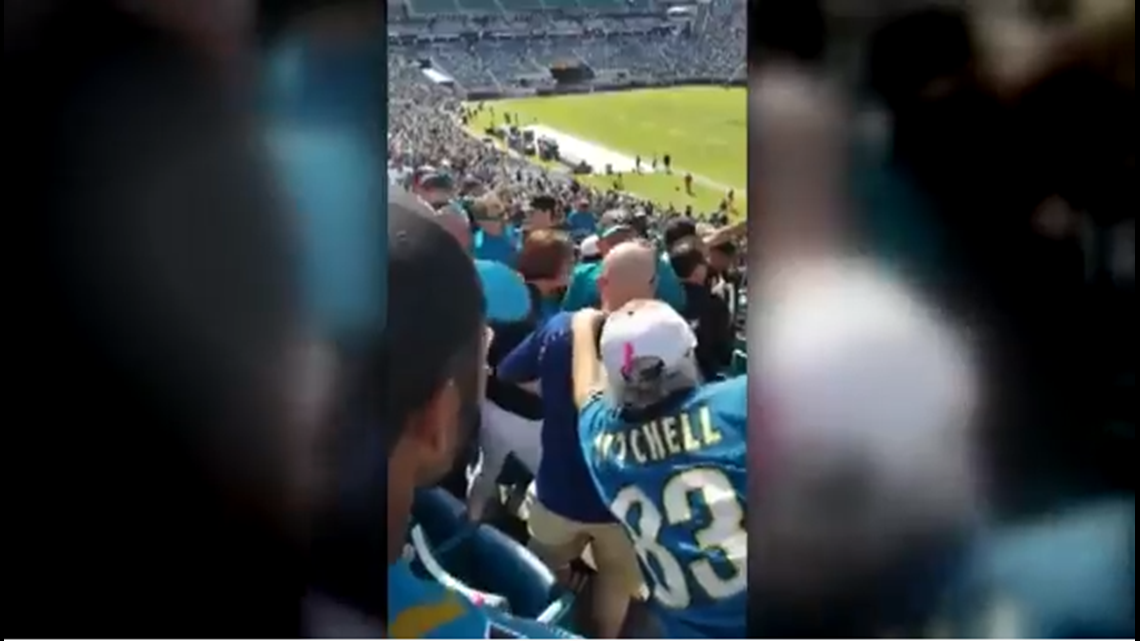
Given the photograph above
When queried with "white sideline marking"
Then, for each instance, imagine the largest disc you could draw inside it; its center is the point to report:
(597, 156)
(576, 149)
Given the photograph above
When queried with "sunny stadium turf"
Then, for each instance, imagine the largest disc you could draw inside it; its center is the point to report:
(703, 129)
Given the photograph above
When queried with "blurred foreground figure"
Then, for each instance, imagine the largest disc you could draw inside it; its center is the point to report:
(164, 476)
(868, 488)
(863, 480)
(1013, 207)
(426, 375)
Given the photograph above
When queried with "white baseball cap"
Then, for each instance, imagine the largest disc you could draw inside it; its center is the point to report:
(589, 247)
(647, 334)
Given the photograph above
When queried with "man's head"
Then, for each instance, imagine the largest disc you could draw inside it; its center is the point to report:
(456, 222)
(488, 213)
(648, 351)
(546, 259)
(614, 228)
(629, 272)
(722, 257)
(472, 188)
(431, 361)
(680, 229)
(437, 188)
(540, 214)
(689, 262)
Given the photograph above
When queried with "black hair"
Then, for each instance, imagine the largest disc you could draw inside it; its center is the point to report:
(679, 229)
(910, 49)
(792, 29)
(436, 317)
(544, 203)
(685, 257)
(726, 247)
(403, 397)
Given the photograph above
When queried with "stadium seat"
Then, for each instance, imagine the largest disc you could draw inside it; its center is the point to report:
(504, 566)
(482, 557)
(442, 517)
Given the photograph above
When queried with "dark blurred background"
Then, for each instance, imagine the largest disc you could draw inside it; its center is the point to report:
(168, 402)
(985, 153)
(992, 160)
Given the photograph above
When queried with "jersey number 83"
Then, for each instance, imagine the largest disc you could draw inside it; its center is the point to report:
(722, 541)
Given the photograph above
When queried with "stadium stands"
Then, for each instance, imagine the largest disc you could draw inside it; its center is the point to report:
(497, 45)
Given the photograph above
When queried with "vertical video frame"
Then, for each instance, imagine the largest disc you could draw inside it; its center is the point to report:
(567, 291)
(942, 213)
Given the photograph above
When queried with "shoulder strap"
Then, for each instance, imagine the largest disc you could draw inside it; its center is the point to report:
(598, 335)
(535, 304)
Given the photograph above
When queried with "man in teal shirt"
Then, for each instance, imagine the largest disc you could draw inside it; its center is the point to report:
(581, 221)
(614, 228)
(493, 238)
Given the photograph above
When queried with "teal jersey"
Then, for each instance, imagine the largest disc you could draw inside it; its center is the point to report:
(1070, 576)
(676, 479)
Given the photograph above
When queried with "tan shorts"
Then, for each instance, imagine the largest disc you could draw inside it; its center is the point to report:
(558, 541)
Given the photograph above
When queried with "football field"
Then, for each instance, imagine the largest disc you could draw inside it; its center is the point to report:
(704, 130)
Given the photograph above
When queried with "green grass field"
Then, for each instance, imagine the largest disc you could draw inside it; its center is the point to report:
(704, 129)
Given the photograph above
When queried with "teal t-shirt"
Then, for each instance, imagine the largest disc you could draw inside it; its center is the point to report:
(503, 248)
(583, 289)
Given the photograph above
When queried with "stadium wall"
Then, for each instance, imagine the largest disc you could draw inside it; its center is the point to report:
(599, 87)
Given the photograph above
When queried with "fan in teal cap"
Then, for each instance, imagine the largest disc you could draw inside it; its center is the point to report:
(615, 227)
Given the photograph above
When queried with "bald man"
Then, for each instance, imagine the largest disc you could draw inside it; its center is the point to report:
(615, 229)
(629, 272)
(567, 514)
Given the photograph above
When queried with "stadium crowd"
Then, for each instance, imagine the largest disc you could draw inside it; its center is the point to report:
(546, 246)
(428, 136)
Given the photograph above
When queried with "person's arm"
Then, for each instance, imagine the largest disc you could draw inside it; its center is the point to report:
(729, 232)
(588, 376)
(669, 288)
(521, 364)
(482, 482)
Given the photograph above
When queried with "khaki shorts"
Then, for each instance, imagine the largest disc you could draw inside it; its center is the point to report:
(558, 541)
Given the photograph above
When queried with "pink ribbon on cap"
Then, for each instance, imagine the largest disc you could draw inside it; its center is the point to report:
(627, 359)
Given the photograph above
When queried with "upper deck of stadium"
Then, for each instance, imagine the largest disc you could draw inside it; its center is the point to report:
(402, 9)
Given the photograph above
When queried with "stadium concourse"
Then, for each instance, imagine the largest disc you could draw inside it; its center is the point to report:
(509, 528)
